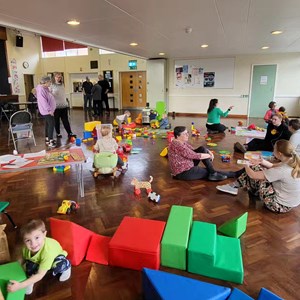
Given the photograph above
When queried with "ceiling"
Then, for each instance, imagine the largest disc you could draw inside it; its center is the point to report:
(228, 27)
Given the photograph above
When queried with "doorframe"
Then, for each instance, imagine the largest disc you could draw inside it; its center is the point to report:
(251, 80)
(26, 88)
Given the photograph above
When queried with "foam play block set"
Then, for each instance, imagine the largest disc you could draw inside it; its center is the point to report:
(265, 294)
(158, 285)
(136, 244)
(237, 294)
(98, 249)
(213, 255)
(73, 238)
(11, 271)
(235, 227)
(176, 237)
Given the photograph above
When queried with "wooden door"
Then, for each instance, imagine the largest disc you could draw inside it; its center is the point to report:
(134, 90)
(28, 82)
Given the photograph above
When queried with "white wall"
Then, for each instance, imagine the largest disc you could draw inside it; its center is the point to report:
(287, 90)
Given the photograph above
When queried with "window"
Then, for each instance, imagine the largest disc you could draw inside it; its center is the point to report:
(102, 51)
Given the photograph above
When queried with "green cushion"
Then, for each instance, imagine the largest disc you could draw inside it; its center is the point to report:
(235, 227)
(176, 236)
(11, 271)
(3, 206)
(213, 255)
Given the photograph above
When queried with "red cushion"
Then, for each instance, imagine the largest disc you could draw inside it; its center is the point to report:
(136, 244)
(72, 237)
(131, 125)
(98, 249)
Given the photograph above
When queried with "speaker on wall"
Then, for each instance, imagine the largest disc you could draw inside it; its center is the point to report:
(94, 64)
(19, 41)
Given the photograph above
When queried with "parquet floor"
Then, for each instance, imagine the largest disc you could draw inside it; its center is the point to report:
(271, 244)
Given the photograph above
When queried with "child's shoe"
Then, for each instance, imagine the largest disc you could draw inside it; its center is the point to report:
(46, 140)
(124, 168)
(65, 275)
(29, 289)
(52, 144)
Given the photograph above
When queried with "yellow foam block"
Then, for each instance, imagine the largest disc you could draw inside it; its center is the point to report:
(118, 138)
(89, 126)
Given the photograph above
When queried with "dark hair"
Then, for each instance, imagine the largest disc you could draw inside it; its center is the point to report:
(178, 130)
(281, 108)
(272, 104)
(212, 105)
(295, 124)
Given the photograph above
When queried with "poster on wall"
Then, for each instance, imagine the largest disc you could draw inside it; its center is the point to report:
(205, 73)
(15, 76)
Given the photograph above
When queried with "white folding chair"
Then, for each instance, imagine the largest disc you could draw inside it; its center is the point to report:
(20, 127)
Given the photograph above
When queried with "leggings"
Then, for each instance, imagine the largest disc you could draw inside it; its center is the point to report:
(60, 265)
(264, 189)
(216, 127)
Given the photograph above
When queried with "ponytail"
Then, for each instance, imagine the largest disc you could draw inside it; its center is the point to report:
(295, 164)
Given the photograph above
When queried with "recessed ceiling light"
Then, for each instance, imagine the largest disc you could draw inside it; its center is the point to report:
(265, 47)
(133, 44)
(204, 46)
(161, 53)
(73, 22)
(276, 32)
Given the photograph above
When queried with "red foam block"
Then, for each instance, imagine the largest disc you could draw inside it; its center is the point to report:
(98, 249)
(73, 238)
(136, 244)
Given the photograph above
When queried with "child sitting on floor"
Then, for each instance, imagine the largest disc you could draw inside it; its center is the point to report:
(107, 143)
(164, 122)
(40, 255)
(123, 118)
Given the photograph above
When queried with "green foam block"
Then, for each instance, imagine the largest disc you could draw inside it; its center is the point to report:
(213, 255)
(176, 236)
(235, 227)
(11, 271)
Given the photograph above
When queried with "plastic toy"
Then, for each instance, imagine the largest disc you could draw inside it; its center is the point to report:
(67, 206)
(164, 152)
(138, 185)
(61, 169)
(225, 157)
(154, 197)
(212, 144)
(240, 123)
(139, 119)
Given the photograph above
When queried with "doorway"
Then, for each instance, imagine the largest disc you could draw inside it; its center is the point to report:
(134, 89)
(262, 89)
(29, 85)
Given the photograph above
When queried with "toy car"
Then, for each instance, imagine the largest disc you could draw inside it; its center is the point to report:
(67, 206)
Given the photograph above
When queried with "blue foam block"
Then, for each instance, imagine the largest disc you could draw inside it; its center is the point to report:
(239, 295)
(265, 294)
(158, 285)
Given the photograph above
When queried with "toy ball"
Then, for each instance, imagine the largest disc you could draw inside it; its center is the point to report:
(240, 123)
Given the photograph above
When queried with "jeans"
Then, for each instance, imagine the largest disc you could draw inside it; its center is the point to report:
(62, 113)
(49, 126)
(87, 101)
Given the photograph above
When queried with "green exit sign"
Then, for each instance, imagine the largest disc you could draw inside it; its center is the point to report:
(132, 64)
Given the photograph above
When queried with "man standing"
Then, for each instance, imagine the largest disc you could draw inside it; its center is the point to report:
(105, 89)
(87, 93)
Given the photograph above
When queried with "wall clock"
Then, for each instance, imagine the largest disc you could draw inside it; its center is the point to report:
(25, 64)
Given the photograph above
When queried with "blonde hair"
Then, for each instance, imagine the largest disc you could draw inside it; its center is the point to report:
(106, 130)
(288, 150)
(32, 226)
(278, 114)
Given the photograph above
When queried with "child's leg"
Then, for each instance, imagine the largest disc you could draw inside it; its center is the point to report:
(61, 265)
(31, 268)
(120, 161)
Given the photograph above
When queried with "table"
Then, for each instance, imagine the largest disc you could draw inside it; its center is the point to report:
(76, 157)
(16, 105)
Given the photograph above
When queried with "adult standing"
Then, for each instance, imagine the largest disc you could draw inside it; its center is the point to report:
(62, 106)
(87, 93)
(105, 89)
(214, 113)
(97, 103)
(46, 106)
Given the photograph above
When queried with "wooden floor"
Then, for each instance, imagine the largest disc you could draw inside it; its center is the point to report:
(271, 244)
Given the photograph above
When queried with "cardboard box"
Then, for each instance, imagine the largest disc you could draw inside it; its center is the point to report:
(4, 250)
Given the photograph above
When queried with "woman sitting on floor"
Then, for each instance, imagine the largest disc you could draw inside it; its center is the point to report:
(184, 159)
(214, 113)
(294, 128)
(275, 131)
(277, 185)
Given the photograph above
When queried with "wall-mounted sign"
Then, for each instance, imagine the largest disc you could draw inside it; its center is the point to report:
(132, 64)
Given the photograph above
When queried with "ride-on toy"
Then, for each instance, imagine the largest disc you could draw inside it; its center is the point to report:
(67, 206)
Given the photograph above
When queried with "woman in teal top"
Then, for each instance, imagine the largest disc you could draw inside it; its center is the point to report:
(214, 113)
